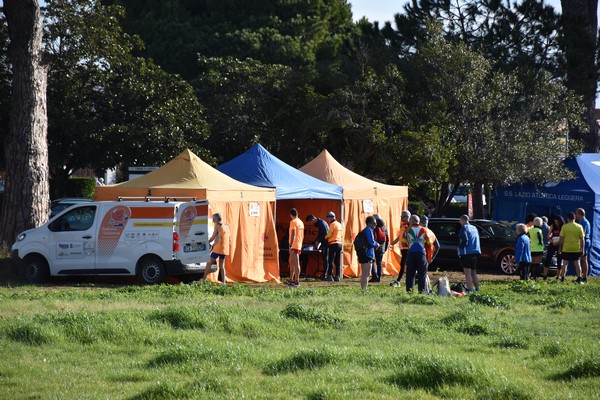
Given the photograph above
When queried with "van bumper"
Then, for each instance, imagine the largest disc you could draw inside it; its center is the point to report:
(176, 267)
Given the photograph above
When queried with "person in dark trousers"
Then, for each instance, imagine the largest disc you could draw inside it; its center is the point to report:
(553, 241)
(416, 263)
(335, 240)
(320, 241)
(523, 251)
(366, 260)
(382, 237)
(585, 224)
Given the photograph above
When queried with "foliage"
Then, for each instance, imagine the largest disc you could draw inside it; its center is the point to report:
(522, 35)
(101, 97)
(81, 187)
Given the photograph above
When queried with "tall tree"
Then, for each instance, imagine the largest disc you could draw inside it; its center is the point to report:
(496, 130)
(26, 198)
(580, 25)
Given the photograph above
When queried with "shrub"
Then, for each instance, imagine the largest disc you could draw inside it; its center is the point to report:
(81, 187)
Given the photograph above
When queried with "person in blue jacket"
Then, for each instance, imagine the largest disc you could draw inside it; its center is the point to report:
(523, 251)
(366, 260)
(585, 224)
(469, 250)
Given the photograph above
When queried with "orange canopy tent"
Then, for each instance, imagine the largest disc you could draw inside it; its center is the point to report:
(247, 209)
(362, 197)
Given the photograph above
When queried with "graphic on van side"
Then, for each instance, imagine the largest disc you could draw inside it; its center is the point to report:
(69, 250)
(112, 227)
(187, 220)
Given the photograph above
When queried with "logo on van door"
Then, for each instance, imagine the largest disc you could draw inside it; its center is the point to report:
(187, 220)
(111, 229)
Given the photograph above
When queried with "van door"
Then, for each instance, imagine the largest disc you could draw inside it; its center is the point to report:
(72, 241)
(192, 228)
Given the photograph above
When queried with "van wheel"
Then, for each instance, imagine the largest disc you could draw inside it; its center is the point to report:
(36, 269)
(506, 262)
(151, 270)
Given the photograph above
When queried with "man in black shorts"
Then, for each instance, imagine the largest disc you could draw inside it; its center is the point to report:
(469, 250)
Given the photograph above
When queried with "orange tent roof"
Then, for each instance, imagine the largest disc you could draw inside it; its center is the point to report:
(328, 169)
(186, 175)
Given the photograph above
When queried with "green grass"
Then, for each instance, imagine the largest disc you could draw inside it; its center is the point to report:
(513, 340)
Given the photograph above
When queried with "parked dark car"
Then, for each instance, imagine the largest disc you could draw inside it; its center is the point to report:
(497, 243)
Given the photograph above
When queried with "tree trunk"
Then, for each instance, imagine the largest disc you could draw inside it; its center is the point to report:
(477, 197)
(580, 27)
(26, 196)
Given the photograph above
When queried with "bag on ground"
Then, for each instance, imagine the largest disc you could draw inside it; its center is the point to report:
(443, 286)
(459, 288)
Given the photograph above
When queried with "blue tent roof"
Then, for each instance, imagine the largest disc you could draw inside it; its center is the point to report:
(258, 167)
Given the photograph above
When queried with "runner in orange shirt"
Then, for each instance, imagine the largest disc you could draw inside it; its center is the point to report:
(221, 241)
(296, 236)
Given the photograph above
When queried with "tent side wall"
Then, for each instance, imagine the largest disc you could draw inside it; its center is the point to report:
(254, 248)
(390, 210)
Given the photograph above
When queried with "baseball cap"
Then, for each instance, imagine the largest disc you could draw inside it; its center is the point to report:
(330, 214)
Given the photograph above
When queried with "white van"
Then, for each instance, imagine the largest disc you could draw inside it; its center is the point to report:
(147, 239)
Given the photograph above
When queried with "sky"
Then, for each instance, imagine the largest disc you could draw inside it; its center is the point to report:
(384, 10)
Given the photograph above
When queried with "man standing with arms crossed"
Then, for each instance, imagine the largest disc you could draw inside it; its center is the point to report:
(335, 243)
(585, 224)
(571, 246)
(296, 236)
(469, 250)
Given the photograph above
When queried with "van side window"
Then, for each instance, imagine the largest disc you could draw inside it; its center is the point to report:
(79, 219)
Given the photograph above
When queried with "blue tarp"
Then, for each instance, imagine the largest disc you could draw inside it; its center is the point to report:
(513, 203)
(258, 167)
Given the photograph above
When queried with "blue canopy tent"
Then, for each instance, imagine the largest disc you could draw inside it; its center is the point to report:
(513, 203)
(294, 188)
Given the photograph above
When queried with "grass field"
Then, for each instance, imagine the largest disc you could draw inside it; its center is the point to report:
(514, 340)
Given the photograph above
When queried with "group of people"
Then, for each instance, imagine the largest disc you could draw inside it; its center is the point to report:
(570, 242)
(329, 242)
(418, 248)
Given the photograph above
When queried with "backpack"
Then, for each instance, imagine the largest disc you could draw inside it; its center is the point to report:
(379, 234)
(459, 288)
(360, 243)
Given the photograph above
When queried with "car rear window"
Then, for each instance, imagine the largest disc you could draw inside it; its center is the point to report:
(498, 230)
(445, 229)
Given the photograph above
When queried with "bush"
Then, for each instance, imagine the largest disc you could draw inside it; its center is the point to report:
(455, 210)
(81, 187)
(416, 207)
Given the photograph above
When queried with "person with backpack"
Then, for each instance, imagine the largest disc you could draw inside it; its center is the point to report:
(335, 242)
(383, 238)
(365, 245)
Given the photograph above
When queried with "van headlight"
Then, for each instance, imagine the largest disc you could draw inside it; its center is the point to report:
(21, 236)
